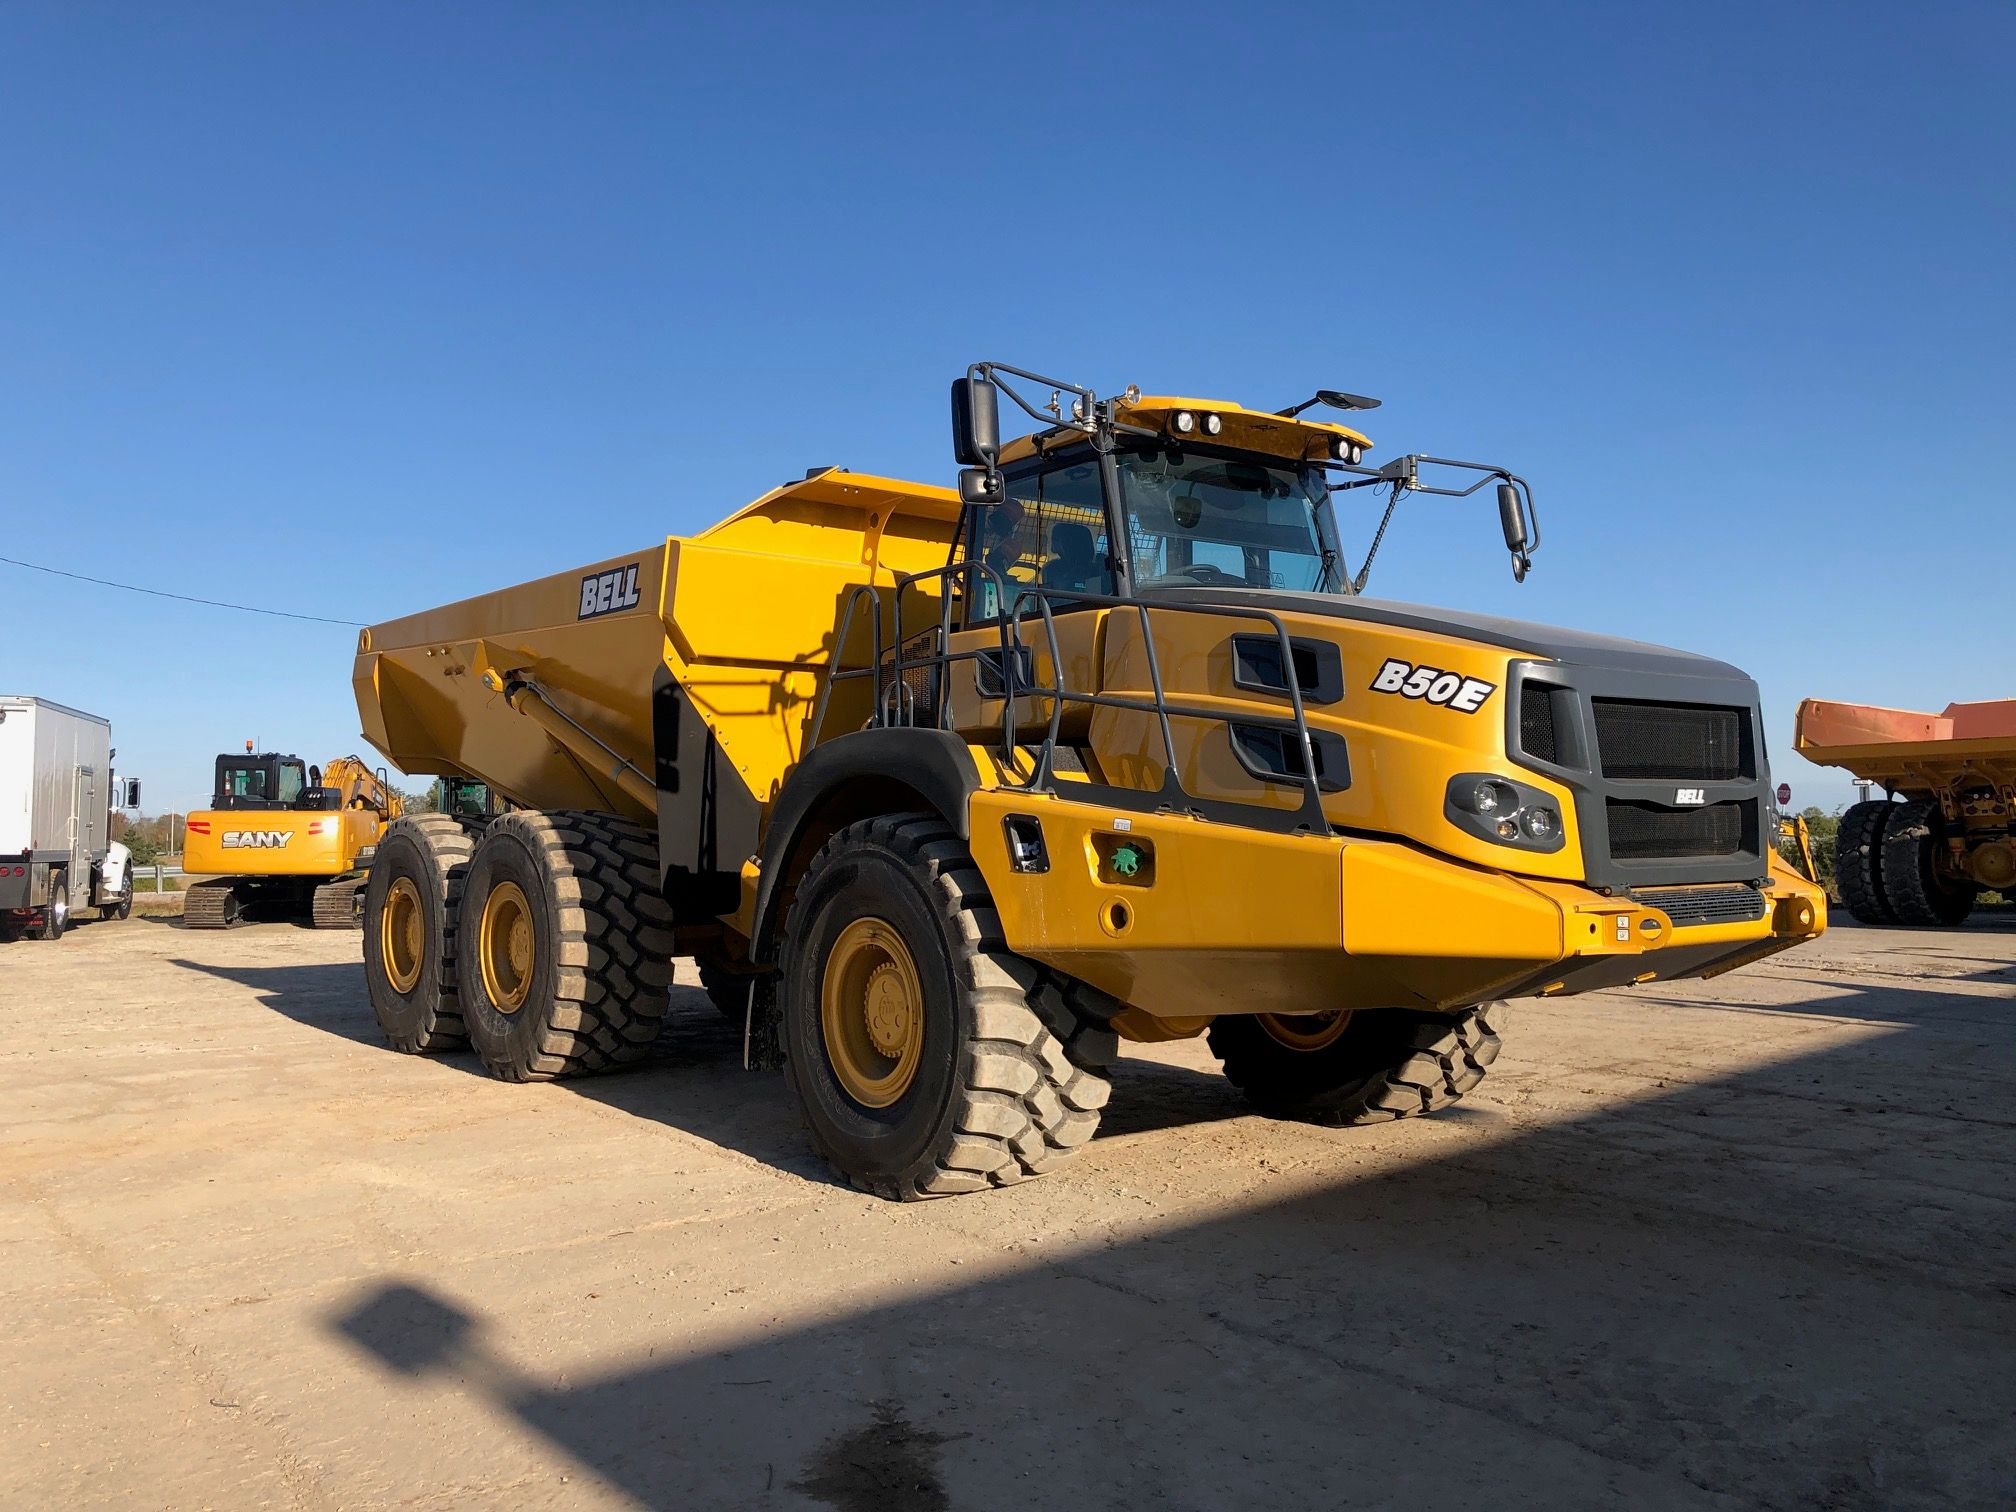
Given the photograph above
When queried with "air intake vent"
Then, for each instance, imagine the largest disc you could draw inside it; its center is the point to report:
(1275, 755)
(1643, 742)
(1690, 906)
(1319, 667)
(1649, 831)
(1537, 736)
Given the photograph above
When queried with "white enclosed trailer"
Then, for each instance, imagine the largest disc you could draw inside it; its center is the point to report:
(56, 799)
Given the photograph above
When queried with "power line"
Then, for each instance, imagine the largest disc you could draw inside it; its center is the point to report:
(185, 598)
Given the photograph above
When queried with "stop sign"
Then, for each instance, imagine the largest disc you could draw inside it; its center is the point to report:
(1784, 794)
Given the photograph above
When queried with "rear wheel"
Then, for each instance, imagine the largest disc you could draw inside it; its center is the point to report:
(1357, 1067)
(56, 912)
(411, 919)
(121, 907)
(1916, 884)
(927, 1057)
(567, 945)
(1858, 862)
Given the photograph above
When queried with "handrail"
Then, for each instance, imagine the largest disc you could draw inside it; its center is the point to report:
(895, 702)
(835, 674)
(1158, 703)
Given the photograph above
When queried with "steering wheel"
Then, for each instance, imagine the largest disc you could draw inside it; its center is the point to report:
(1199, 574)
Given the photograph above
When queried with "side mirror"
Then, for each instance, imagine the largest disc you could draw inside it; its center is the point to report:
(979, 486)
(976, 423)
(130, 793)
(1512, 517)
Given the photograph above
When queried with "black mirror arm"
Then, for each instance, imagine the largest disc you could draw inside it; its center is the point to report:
(1087, 399)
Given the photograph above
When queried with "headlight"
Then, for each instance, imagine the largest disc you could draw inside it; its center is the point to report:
(1505, 811)
(1183, 422)
(1213, 425)
(1489, 796)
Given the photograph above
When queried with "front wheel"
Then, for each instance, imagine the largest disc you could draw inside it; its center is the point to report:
(1919, 884)
(1360, 1067)
(1858, 861)
(927, 1057)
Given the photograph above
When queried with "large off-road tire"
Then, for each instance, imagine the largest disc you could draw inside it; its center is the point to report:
(927, 1057)
(566, 945)
(1916, 889)
(1858, 861)
(56, 912)
(412, 915)
(338, 904)
(213, 903)
(1355, 1067)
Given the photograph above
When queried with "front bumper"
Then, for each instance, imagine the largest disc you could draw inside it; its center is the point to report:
(1220, 919)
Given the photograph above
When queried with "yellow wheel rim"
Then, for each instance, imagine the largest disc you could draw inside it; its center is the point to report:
(871, 1010)
(1306, 1031)
(402, 934)
(504, 946)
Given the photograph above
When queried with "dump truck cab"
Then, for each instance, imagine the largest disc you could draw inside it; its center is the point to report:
(950, 791)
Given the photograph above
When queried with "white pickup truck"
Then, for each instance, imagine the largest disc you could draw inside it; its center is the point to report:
(57, 793)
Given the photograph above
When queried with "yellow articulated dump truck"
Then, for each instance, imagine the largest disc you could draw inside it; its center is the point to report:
(284, 839)
(952, 791)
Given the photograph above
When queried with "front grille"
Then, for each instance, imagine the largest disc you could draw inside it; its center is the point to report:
(1650, 831)
(1671, 742)
(1536, 724)
(1688, 906)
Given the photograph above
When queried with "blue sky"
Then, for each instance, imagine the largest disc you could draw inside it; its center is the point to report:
(356, 309)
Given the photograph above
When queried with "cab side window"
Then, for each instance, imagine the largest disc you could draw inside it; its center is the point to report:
(1049, 533)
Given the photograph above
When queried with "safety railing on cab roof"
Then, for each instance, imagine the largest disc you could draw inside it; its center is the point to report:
(896, 697)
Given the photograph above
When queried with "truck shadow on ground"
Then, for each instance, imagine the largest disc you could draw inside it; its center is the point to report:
(1790, 1287)
(693, 1079)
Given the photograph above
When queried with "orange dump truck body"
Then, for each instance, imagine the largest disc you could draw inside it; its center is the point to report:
(1910, 752)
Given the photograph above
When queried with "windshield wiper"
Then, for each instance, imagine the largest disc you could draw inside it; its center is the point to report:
(1326, 575)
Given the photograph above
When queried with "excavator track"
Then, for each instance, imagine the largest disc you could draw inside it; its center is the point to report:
(214, 903)
(339, 904)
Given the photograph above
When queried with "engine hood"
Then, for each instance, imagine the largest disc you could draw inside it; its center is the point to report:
(1570, 647)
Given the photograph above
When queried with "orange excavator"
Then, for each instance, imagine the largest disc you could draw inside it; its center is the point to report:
(284, 839)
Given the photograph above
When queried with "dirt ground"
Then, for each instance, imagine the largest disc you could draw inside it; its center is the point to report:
(1748, 1243)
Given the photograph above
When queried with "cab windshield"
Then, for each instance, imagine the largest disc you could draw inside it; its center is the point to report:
(276, 782)
(1197, 517)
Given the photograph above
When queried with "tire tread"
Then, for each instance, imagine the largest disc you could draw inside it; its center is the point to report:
(614, 932)
(1032, 1077)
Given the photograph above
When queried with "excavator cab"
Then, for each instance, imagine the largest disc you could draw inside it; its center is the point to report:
(259, 780)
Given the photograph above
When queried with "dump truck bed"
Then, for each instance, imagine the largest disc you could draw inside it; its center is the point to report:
(1905, 750)
(741, 617)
